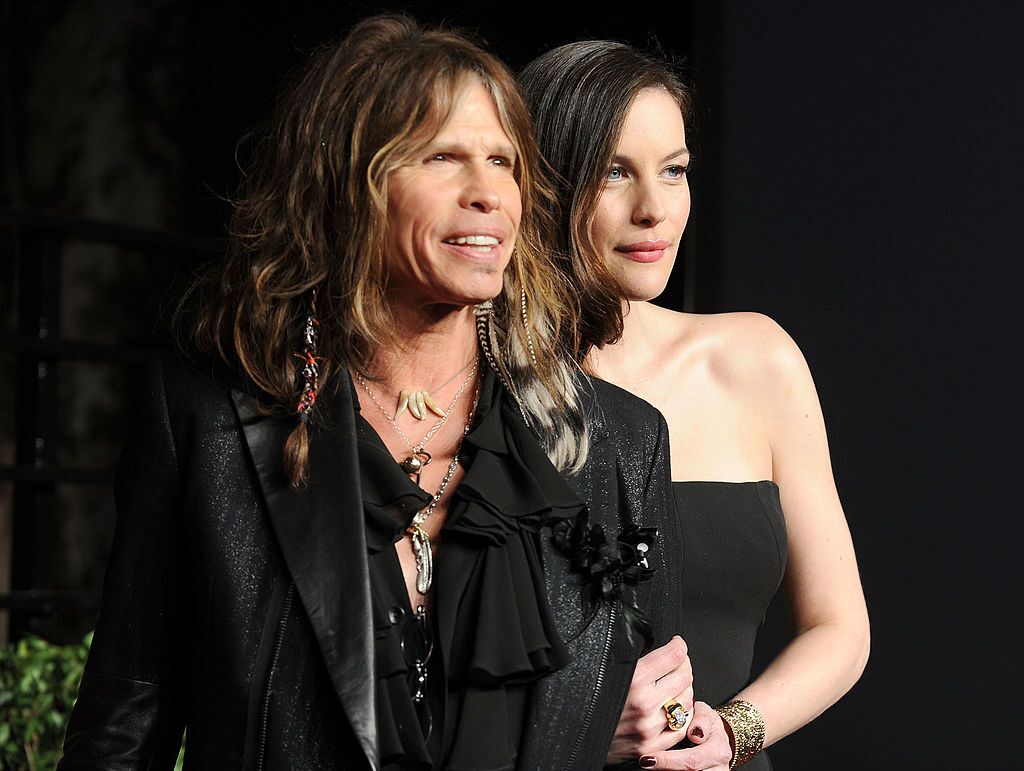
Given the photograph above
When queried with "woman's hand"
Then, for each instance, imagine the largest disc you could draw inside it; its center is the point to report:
(713, 750)
(662, 675)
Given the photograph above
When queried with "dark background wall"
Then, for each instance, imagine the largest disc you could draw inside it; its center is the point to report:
(867, 195)
(858, 179)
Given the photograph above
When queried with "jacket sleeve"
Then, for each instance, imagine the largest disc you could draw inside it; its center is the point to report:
(663, 600)
(129, 713)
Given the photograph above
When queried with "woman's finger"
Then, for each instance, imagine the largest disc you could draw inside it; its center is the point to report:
(712, 753)
(664, 725)
(673, 685)
(663, 675)
(686, 698)
(650, 730)
(692, 759)
(705, 722)
(660, 662)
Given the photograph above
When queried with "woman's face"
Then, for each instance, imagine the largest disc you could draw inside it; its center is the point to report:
(454, 210)
(645, 202)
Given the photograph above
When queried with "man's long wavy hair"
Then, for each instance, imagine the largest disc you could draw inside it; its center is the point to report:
(579, 95)
(313, 215)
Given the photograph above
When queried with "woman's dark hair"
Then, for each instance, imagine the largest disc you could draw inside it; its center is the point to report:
(312, 215)
(579, 95)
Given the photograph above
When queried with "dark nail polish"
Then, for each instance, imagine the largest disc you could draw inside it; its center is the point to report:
(648, 761)
(697, 733)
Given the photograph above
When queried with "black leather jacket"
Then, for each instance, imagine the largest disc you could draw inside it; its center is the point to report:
(225, 583)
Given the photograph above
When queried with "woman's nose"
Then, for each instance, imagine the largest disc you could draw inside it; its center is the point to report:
(648, 208)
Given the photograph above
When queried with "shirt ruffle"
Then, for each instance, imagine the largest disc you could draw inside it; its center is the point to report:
(494, 625)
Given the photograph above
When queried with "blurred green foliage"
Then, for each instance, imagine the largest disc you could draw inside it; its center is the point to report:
(38, 685)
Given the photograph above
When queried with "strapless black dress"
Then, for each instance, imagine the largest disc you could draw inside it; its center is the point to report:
(734, 557)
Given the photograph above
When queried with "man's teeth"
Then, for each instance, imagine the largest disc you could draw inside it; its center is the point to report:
(473, 241)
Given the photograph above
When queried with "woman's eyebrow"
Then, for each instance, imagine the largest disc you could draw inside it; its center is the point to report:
(626, 160)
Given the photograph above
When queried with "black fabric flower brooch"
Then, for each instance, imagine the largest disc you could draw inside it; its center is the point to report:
(612, 569)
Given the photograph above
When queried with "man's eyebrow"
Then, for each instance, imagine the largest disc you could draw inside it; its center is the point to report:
(462, 148)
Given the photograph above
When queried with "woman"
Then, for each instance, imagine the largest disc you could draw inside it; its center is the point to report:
(740, 406)
(345, 543)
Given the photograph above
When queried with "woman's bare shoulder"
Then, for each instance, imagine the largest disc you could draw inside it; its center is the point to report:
(742, 349)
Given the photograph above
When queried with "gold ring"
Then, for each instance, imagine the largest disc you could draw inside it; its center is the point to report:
(676, 717)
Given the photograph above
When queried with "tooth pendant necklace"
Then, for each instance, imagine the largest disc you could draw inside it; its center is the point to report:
(419, 402)
(419, 457)
(417, 533)
(413, 466)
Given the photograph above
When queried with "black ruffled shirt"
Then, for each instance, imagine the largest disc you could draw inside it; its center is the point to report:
(490, 623)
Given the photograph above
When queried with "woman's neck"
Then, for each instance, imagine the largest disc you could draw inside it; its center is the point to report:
(642, 341)
(431, 345)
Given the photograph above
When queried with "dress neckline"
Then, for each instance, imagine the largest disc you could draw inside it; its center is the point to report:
(723, 482)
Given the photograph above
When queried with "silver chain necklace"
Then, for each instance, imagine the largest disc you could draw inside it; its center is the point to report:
(419, 457)
(420, 403)
(416, 532)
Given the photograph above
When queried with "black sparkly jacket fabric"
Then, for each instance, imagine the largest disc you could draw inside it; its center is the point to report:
(225, 587)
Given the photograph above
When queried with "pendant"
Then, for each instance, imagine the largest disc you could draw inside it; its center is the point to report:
(418, 403)
(413, 465)
(424, 558)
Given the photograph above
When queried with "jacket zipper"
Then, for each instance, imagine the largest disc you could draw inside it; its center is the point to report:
(275, 654)
(597, 688)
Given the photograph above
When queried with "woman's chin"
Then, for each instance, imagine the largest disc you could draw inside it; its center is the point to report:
(644, 293)
(642, 285)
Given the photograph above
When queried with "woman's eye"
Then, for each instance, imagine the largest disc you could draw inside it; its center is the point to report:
(438, 157)
(677, 172)
(615, 173)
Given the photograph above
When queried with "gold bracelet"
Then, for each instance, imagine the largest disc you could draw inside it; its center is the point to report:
(747, 728)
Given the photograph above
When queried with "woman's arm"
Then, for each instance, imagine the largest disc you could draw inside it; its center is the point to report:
(130, 709)
(830, 647)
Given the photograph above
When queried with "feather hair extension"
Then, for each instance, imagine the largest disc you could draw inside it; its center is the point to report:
(484, 313)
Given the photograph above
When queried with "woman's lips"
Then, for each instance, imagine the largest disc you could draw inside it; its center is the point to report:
(644, 251)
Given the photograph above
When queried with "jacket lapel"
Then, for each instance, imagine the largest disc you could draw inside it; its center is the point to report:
(320, 531)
